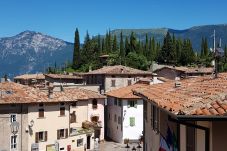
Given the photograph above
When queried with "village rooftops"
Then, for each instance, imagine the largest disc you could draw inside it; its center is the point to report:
(30, 76)
(189, 70)
(202, 96)
(13, 93)
(118, 70)
(63, 76)
(126, 92)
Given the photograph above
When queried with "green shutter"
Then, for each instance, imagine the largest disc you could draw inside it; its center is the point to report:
(132, 121)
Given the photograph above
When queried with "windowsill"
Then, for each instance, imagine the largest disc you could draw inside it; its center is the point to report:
(62, 137)
(41, 117)
(41, 141)
(62, 116)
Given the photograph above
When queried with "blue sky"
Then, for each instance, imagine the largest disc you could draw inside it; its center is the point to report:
(59, 18)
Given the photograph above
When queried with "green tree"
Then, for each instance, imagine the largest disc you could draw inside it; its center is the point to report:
(115, 46)
(133, 42)
(76, 51)
(127, 46)
(122, 50)
(137, 61)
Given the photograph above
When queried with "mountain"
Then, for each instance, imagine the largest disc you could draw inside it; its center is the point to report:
(195, 34)
(32, 52)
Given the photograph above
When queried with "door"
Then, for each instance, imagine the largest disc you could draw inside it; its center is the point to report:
(88, 142)
(190, 138)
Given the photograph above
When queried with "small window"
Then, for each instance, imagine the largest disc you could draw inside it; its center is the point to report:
(94, 104)
(13, 118)
(62, 133)
(132, 121)
(115, 118)
(113, 83)
(115, 101)
(119, 102)
(119, 120)
(109, 117)
(129, 82)
(80, 142)
(41, 136)
(132, 104)
(74, 104)
(155, 118)
(73, 117)
(41, 113)
(13, 142)
(62, 111)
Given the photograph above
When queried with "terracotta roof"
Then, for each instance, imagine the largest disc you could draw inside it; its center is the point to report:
(119, 69)
(188, 69)
(126, 92)
(63, 76)
(11, 92)
(201, 96)
(30, 76)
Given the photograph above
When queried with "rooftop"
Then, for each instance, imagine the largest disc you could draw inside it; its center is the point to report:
(196, 96)
(188, 69)
(30, 76)
(119, 70)
(11, 92)
(126, 92)
(63, 76)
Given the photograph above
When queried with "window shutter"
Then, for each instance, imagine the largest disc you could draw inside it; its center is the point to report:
(36, 137)
(45, 136)
(132, 121)
(58, 134)
(135, 104)
(66, 133)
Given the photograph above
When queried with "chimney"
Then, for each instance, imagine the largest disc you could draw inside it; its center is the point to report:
(50, 91)
(177, 82)
(90, 68)
(155, 78)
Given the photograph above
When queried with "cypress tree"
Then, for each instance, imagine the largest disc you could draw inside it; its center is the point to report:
(103, 46)
(206, 51)
(146, 47)
(132, 42)
(115, 47)
(202, 48)
(99, 44)
(76, 52)
(127, 46)
(122, 50)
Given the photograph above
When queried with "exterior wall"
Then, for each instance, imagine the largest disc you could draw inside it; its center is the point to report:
(5, 130)
(114, 130)
(120, 81)
(219, 135)
(132, 132)
(51, 122)
(152, 138)
(97, 112)
(168, 73)
(65, 81)
(96, 79)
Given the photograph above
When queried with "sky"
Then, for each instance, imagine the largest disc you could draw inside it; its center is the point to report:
(60, 18)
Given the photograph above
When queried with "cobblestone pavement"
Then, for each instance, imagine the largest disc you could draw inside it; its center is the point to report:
(112, 146)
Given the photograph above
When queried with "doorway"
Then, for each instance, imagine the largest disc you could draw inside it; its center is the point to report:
(88, 142)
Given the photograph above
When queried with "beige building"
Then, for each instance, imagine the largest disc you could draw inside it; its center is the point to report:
(113, 77)
(172, 72)
(66, 120)
(37, 80)
(188, 116)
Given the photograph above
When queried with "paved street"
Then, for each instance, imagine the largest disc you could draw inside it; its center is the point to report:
(112, 146)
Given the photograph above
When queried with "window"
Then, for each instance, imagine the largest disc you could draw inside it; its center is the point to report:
(132, 104)
(113, 83)
(155, 118)
(62, 109)
(115, 118)
(94, 104)
(119, 120)
(119, 102)
(41, 136)
(13, 118)
(109, 116)
(74, 104)
(80, 142)
(132, 121)
(129, 82)
(115, 101)
(13, 142)
(41, 110)
(73, 117)
(62, 133)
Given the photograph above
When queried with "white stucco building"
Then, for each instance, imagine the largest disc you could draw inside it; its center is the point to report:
(125, 114)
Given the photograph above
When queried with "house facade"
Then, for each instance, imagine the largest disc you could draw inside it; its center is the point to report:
(37, 80)
(187, 116)
(125, 114)
(66, 120)
(114, 77)
(63, 79)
